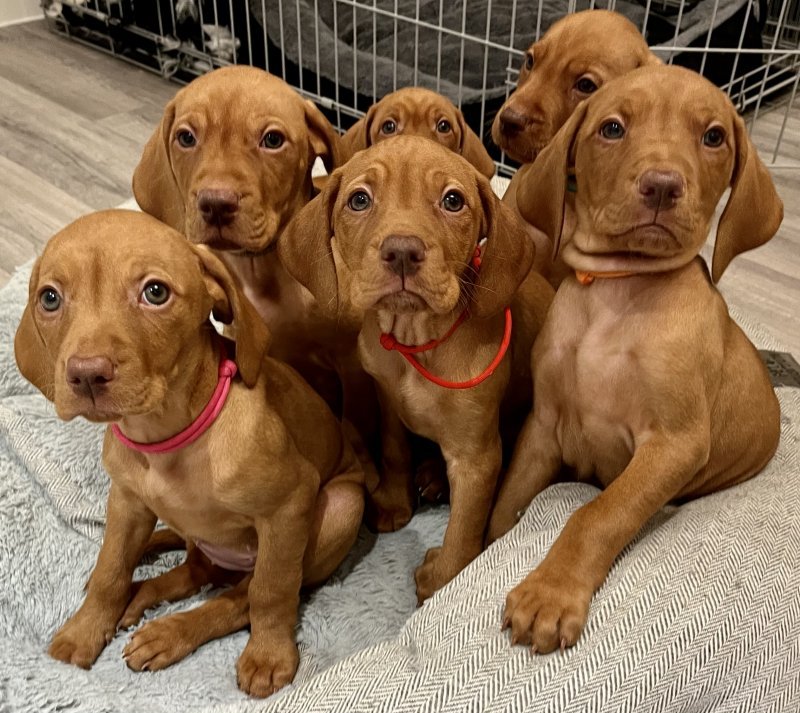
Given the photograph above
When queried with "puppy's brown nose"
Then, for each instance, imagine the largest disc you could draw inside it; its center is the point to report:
(87, 375)
(660, 190)
(512, 122)
(218, 207)
(403, 254)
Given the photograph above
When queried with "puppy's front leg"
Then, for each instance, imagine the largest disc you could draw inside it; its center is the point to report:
(536, 460)
(391, 505)
(129, 525)
(549, 607)
(270, 659)
(472, 474)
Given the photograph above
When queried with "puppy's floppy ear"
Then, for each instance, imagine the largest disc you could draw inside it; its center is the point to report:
(507, 254)
(304, 247)
(356, 138)
(231, 307)
(473, 149)
(542, 188)
(154, 185)
(30, 351)
(649, 59)
(754, 211)
(324, 139)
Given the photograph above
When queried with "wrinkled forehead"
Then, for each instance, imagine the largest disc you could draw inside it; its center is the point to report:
(660, 98)
(583, 41)
(251, 102)
(414, 102)
(406, 173)
(85, 254)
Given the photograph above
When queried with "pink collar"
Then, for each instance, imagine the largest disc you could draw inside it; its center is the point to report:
(227, 370)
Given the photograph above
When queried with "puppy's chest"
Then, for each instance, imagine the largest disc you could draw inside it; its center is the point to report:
(589, 373)
(186, 494)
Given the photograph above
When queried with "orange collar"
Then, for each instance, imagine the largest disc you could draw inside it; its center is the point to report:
(587, 278)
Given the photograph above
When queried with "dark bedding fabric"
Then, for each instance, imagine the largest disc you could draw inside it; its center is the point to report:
(384, 54)
(375, 53)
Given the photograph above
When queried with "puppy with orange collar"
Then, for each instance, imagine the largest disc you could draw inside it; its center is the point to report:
(643, 382)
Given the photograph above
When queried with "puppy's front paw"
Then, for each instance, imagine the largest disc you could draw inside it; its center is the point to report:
(80, 641)
(263, 669)
(428, 576)
(388, 510)
(547, 611)
(158, 644)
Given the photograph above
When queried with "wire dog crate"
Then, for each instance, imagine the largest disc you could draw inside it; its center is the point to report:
(347, 54)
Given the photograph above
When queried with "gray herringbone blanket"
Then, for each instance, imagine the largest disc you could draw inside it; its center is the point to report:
(700, 613)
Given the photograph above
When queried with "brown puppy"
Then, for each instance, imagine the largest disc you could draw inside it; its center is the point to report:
(116, 330)
(416, 111)
(229, 166)
(643, 381)
(394, 234)
(578, 54)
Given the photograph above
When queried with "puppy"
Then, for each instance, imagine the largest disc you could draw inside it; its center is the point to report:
(258, 477)
(229, 166)
(643, 381)
(418, 112)
(412, 236)
(578, 54)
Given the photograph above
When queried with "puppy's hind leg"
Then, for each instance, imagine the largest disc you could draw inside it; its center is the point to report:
(337, 518)
(180, 582)
(165, 641)
(536, 460)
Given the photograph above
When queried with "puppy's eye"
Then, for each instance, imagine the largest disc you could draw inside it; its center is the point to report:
(359, 201)
(443, 127)
(612, 130)
(155, 293)
(388, 127)
(529, 61)
(453, 201)
(49, 299)
(714, 137)
(585, 86)
(186, 138)
(272, 140)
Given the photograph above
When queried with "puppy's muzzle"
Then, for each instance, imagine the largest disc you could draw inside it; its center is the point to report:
(218, 207)
(89, 376)
(403, 255)
(513, 122)
(660, 190)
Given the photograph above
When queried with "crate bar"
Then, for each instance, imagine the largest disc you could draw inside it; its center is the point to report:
(738, 52)
(316, 43)
(782, 14)
(280, 31)
(299, 43)
(374, 52)
(789, 106)
(708, 37)
(439, 47)
(463, 36)
(337, 103)
(485, 67)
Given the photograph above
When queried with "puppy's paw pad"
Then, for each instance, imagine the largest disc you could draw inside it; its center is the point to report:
(546, 615)
(79, 647)
(261, 673)
(388, 512)
(156, 645)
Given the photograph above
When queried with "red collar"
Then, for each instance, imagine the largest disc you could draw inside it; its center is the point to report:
(389, 343)
(227, 370)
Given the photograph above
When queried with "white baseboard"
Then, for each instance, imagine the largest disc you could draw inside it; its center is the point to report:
(21, 20)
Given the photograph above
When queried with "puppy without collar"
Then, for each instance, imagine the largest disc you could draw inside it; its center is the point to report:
(252, 468)
(643, 381)
(415, 111)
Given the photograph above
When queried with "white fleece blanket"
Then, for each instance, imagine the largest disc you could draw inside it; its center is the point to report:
(700, 613)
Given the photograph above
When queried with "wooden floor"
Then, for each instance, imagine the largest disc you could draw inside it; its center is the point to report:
(73, 123)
